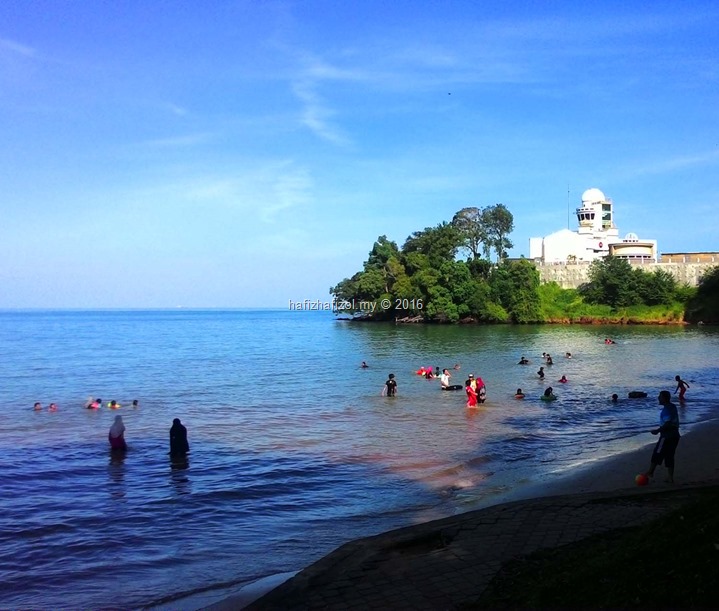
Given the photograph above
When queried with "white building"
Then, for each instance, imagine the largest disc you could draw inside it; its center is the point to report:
(597, 236)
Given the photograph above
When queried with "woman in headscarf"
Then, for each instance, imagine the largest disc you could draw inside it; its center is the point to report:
(178, 438)
(481, 390)
(470, 387)
(117, 434)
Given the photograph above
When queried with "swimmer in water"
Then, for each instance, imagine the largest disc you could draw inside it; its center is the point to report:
(549, 395)
(37, 407)
(523, 361)
(615, 398)
(519, 394)
(364, 365)
(563, 379)
(540, 373)
(53, 407)
(568, 355)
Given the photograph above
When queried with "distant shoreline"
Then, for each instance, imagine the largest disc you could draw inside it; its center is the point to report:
(582, 320)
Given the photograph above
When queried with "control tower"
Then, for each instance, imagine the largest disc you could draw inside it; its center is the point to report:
(596, 216)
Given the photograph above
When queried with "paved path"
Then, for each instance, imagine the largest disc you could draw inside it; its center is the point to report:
(446, 563)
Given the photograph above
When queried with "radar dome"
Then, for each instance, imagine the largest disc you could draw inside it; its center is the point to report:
(591, 196)
(631, 237)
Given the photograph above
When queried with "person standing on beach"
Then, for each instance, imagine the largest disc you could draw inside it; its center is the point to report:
(669, 436)
(681, 387)
(390, 386)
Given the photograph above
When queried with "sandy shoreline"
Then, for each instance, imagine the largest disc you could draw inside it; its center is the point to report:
(697, 461)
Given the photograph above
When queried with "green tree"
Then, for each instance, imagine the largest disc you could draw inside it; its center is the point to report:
(473, 234)
(611, 281)
(524, 304)
(499, 223)
(704, 306)
(658, 287)
(381, 272)
(438, 243)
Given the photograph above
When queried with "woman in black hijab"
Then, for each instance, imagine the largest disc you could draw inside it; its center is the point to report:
(178, 438)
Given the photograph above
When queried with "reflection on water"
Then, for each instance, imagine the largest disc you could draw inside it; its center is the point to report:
(179, 464)
(116, 473)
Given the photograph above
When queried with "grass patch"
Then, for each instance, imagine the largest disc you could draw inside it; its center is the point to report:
(672, 562)
(567, 305)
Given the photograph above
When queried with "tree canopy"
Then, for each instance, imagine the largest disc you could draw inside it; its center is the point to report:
(425, 278)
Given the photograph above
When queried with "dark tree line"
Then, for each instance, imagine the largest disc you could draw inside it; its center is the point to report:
(704, 305)
(615, 282)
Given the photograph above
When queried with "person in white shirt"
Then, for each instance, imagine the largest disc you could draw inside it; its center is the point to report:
(444, 378)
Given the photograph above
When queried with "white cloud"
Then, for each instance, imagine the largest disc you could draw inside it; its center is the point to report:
(16, 48)
(670, 165)
(260, 192)
(179, 141)
(316, 114)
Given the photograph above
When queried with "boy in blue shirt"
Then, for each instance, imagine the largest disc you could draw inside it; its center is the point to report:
(668, 432)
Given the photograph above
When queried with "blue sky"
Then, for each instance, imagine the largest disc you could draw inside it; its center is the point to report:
(241, 154)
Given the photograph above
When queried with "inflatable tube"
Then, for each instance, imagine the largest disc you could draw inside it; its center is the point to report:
(453, 387)
(548, 398)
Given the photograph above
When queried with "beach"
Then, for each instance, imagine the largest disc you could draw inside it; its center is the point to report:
(697, 465)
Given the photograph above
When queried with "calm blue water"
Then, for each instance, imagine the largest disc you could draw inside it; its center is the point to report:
(294, 451)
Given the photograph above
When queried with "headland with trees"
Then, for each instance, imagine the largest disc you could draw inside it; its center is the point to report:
(459, 271)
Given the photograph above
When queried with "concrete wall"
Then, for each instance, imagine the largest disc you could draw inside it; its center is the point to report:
(571, 275)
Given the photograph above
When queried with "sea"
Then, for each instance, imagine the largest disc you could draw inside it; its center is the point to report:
(294, 450)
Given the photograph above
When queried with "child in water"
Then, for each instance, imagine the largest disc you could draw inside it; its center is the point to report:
(519, 394)
(390, 386)
(681, 387)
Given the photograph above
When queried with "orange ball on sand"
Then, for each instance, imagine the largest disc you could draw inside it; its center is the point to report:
(641, 479)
